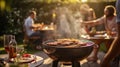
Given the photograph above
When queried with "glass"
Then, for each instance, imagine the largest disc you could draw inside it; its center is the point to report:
(10, 46)
(20, 50)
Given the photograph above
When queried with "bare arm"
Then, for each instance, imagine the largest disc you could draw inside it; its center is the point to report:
(91, 23)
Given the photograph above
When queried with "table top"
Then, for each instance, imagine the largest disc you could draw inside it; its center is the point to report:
(43, 27)
(99, 38)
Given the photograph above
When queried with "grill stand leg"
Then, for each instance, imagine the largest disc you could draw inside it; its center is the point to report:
(55, 63)
(76, 64)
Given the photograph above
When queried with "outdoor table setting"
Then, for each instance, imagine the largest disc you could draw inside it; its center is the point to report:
(101, 37)
(98, 39)
(17, 56)
(27, 60)
(42, 26)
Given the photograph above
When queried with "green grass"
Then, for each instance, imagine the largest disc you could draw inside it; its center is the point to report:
(28, 49)
(102, 47)
(2, 51)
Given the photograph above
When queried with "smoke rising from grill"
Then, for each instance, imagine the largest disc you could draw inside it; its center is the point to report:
(69, 24)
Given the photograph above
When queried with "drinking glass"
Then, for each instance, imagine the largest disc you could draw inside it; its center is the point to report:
(20, 50)
(7, 39)
(9, 46)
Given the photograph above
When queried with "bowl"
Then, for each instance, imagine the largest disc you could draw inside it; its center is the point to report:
(64, 53)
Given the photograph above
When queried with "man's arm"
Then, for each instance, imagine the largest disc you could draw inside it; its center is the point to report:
(94, 22)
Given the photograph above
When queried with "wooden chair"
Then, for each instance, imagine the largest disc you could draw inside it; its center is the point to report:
(29, 41)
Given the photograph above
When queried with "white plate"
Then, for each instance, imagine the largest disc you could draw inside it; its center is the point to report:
(100, 36)
(26, 59)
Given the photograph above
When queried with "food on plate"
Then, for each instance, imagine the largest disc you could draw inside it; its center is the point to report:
(26, 58)
(26, 55)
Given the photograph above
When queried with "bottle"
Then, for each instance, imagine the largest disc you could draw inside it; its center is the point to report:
(52, 26)
(93, 31)
(42, 25)
(12, 47)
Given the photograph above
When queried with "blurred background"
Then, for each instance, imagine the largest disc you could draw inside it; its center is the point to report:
(13, 12)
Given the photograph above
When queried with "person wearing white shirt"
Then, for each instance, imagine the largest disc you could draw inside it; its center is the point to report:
(29, 22)
(29, 26)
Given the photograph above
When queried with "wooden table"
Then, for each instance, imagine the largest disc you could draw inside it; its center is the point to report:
(98, 41)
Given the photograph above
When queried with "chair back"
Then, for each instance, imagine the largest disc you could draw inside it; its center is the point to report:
(26, 38)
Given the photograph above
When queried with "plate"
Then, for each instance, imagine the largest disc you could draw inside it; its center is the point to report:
(39, 60)
(26, 59)
(99, 36)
